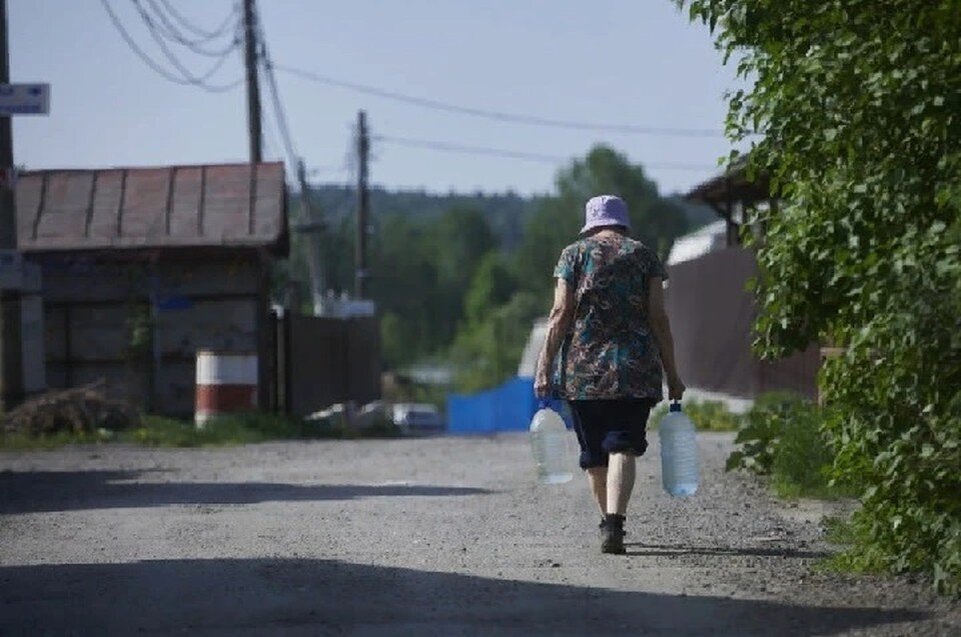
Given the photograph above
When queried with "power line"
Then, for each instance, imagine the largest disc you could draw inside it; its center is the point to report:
(158, 38)
(188, 81)
(168, 29)
(204, 35)
(515, 118)
(515, 154)
(472, 150)
(280, 116)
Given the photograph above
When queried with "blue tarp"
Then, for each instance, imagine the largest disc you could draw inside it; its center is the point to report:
(508, 407)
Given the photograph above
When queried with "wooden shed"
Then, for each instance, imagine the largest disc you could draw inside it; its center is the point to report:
(142, 267)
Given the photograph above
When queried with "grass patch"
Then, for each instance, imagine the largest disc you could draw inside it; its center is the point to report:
(240, 429)
(843, 533)
(707, 415)
(839, 531)
(24, 442)
(783, 438)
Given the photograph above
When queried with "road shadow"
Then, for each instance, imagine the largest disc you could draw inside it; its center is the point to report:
(264, 596)
(49, 491)
(661, 550)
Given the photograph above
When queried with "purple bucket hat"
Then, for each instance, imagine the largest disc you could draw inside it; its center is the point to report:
(605, 210)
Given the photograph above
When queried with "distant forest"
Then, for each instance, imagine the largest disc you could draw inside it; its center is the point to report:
(459, 278)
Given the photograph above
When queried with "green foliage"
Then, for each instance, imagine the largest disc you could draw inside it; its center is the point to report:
(783, 437)
(249, 428)
(707, 415)
(22, 441)
(557, 220)
(487, 352)
(857, 102)
(492, 286)
(761, 432)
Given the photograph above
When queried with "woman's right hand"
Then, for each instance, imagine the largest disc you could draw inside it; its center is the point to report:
(675, 387)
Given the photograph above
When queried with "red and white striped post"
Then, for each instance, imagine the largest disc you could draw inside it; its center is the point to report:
(226, 384)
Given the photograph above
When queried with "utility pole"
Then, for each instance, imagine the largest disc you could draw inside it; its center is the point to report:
(11, 353)
(253, 89)
(363, 147)
(265, 358)
(312, 229)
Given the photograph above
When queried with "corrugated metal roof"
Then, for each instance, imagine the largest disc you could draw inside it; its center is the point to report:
(240, 205)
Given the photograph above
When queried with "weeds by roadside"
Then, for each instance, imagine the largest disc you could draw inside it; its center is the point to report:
(782, 437)
(707, 415)
(158, 431)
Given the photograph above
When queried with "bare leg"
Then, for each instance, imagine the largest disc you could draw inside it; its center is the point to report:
(620, 482)
(597, 477)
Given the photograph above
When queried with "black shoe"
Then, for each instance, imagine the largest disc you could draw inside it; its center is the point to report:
(612, 534)
(602, 527)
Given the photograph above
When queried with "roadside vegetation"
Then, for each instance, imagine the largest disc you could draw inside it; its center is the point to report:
(850, 108)
(783, 438)
(707, 415)
(158, 431)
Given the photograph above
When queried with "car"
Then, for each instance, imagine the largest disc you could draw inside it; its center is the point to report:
(418, 418)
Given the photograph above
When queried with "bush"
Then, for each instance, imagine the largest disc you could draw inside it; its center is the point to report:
(761, 432)
(861, 144)
(783, 436)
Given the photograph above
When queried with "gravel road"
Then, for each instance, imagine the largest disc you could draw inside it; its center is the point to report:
(445, 535)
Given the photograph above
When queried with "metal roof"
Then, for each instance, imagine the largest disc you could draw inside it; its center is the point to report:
(225, 205)
(732, 184)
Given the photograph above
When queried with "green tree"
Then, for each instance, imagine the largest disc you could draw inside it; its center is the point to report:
(856, 106)
(458, 241)
(492, 286)
(488, 352)
(557, 220)
(404, 285)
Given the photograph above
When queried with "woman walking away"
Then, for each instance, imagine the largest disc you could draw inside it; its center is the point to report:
(610, 329)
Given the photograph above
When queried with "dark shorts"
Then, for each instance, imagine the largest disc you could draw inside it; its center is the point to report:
(610, 426)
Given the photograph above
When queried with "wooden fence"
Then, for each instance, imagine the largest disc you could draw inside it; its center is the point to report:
(712, 314)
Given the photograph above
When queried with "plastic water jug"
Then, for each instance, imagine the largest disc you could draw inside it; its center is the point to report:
(549, 443)
(679, 471)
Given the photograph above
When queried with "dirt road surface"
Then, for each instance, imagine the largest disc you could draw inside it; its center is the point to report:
(439, 536)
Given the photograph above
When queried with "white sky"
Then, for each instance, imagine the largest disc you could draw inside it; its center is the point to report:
(635, 62)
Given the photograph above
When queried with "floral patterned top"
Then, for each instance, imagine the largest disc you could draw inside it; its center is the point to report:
(609, 351)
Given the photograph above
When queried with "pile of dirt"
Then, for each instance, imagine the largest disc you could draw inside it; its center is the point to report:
(78, 410)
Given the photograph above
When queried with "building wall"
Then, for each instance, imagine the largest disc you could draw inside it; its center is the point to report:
(99, 314)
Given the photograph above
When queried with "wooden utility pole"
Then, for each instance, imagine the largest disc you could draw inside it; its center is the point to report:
(363, 147)
(11, 353)
(253, 88)
(312, 229)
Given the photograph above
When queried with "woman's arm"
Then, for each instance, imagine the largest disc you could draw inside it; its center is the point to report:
(661, 327)
(558, 323)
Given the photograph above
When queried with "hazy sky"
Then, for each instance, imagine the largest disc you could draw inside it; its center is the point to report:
(632, 62)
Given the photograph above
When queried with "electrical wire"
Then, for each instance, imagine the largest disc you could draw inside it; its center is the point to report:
(167, 29)
(205, 35)
(514, 154)
(199, 80)
(188, 81)
(280, 115)
(514, 118)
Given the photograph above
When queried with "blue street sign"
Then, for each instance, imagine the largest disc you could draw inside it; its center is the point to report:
(24, 99)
